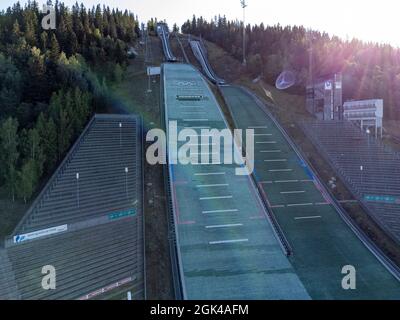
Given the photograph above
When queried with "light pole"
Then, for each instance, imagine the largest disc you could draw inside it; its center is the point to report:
(77, 188)
(244, 5)
(146, 43)
(369, 148)
(309, 37)
(149, 83)
(126, 181)
(120, 134)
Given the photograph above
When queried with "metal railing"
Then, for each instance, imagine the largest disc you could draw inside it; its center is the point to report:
(165, 42)
(201, 57)
(176, 266)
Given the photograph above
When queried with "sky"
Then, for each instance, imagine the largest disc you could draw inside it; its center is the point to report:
(368, 20)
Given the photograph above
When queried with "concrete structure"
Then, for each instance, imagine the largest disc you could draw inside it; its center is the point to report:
(87, 222)
(367, 113)
(324, 98)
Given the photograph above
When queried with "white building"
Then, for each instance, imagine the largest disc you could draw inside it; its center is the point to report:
(367, 112)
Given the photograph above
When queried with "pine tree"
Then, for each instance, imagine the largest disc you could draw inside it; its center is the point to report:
(16, 32)
(30, 25)
(54, 48)
(43, 41)
(118, 73)
(49, 142)
(10, 87)
(98, 18)
(9, 154)
(72, 46)
(37, 70)
(64, 133)
(27, 179)
(36, 150)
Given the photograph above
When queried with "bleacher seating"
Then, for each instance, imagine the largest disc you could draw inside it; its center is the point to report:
(8, 286)
(367, 166)
(93, 253)
(100, 161)
(85, 260)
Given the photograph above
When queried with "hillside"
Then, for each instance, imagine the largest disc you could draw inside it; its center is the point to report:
(370, 70)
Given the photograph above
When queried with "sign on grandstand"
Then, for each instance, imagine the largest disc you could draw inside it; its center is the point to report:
(40, 233)
(382, 198)
(328, 85)
(367, 112)
(107, 288)
(121, 214)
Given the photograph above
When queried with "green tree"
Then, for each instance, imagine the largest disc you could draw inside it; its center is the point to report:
(44, 41)
(36, 150)
(10, 87)
(81, 102)
(54, 48)
(61, 110)
(255, 64)
(16, 32)
(64, 135)
(27, 179)
(118, 73)
(9, 154)
(30, 25)
(38, 85)
(47, 131)
(55, 105)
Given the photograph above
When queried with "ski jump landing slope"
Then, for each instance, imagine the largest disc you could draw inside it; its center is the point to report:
(227, 248)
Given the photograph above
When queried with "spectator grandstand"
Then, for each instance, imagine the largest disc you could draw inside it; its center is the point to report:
(370, 169)
(94, 202)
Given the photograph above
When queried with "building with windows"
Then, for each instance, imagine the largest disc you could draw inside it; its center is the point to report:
(367, 113)
(324, 97)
